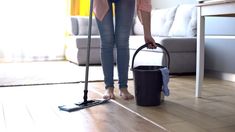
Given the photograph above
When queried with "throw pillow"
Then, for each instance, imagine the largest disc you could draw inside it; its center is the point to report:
(184, 21)
(161, 21)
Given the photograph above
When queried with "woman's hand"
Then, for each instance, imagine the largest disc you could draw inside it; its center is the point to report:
(150, 41)
(146, 19)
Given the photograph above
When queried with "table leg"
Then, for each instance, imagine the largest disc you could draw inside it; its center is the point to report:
(200, 52)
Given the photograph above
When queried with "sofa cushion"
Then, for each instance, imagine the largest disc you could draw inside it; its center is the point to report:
(161, 21)
(74, 26)
(82, 41)
(138, 27)
(178, 44)
(173, 44)
(83, 25)
(192, 26)
(185, 21)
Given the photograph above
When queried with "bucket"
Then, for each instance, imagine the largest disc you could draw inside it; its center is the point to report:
(148, 80)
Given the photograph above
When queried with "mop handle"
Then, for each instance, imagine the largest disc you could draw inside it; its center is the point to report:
(88, 52)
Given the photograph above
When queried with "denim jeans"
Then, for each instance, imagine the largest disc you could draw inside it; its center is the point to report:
(115, 35)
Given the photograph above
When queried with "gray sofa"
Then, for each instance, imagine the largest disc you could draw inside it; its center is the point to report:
(174, 28)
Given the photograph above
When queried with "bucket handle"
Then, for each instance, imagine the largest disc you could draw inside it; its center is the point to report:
(146, 45)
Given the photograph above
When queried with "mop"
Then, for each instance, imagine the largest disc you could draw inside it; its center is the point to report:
(86, 103)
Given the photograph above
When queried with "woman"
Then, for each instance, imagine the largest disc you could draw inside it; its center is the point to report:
(117, 35)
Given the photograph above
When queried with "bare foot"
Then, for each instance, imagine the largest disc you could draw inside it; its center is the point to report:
(125, 94)
(109, 94)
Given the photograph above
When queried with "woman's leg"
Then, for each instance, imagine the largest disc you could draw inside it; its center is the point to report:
(106, 29)
(124, 10)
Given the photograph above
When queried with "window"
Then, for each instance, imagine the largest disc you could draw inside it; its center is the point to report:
(32, 30)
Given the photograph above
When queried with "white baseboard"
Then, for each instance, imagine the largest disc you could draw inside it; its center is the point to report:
(220, 75)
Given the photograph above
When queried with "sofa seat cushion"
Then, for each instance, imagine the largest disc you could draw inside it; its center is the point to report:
(178, 44)
(82, 41)
(172, 44)
(135, 41)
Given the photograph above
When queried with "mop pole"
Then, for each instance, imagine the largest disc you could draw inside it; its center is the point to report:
(88, 52)
(86, 103)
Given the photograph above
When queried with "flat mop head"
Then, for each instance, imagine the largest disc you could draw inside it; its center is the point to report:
(83, 105)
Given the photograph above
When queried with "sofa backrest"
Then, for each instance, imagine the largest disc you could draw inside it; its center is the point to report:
(80, 25)
(178, 21)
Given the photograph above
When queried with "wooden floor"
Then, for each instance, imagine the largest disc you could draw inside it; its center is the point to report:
(34, 108)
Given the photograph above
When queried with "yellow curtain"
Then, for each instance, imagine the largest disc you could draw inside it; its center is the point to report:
(79, 7)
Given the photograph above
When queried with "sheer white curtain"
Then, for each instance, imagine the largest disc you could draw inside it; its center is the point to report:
(32, 30)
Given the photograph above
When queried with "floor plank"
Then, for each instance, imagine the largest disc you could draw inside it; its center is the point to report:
(35, 108)
(181, 111)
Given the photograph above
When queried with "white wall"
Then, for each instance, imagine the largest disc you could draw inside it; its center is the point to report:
(170, 3)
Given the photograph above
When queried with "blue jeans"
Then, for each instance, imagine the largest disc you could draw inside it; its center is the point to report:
(116, 37)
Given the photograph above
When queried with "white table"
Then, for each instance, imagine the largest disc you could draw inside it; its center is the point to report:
(219, 8)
